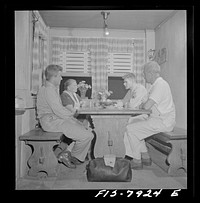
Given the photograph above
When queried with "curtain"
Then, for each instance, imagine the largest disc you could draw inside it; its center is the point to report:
(39, 55)
(120, 45)
(61, 44)
(139, 59)
(99, 54)
(99, 49)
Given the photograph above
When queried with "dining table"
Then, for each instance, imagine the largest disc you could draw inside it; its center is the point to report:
(110, 125)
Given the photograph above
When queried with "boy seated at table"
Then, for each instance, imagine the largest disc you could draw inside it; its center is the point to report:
(136, 94)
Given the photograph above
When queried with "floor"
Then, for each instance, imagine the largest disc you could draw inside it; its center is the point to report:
(150, 177)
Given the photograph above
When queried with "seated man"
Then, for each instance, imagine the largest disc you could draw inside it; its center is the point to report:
(162, 118)
(54, 117)
(137, 92)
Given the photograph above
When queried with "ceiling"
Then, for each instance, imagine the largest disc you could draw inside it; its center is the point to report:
(117, 19)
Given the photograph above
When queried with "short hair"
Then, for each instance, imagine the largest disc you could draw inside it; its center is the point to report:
(129, 75)
(68, 83)
(52, 70)
(152, 66)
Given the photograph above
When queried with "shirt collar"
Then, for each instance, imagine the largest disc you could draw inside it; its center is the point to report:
(157, 79)
(136, 86)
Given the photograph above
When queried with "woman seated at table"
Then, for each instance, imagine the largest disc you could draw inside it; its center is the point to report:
(72, 101)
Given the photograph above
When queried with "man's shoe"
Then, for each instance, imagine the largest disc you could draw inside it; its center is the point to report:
(65, 159)
(128, 157)
(147, 162)
(75, 161)
(135, 165)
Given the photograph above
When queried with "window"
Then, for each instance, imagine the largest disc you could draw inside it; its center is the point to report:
(120, 63)
(75, 63)
(116, 84)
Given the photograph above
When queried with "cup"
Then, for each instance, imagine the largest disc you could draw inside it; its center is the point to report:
(119, 104)
(84, 103)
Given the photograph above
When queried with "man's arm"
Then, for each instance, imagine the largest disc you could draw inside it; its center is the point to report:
(148, 104)
(55, 104)
(140, 95)
(126, 98)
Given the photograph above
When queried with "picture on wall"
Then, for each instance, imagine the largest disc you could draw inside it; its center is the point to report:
(161, 56)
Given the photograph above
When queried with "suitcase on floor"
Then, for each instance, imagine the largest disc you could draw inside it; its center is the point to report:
(100, 171)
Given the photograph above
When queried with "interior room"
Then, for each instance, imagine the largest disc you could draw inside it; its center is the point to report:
(124, 40)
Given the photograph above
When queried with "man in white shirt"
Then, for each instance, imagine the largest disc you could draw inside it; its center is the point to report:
(162, 118)
(54, 117)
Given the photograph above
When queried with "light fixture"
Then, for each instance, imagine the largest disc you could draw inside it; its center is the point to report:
(105, 17)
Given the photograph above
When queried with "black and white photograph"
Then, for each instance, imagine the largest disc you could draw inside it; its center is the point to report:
(101, 100)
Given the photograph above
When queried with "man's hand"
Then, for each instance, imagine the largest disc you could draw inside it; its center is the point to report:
(141, 106)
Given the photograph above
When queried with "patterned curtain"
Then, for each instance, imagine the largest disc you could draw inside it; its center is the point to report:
(39, 55)
(120, 45)
(99, 54)
(139, 59)
(99, 49)
(61, 44)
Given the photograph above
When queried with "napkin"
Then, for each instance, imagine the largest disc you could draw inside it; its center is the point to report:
(109, 160)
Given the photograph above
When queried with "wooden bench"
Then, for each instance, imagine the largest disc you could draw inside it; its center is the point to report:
(42, 159)
(169, 151)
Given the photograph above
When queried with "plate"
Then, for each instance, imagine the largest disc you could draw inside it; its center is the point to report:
(107, 103)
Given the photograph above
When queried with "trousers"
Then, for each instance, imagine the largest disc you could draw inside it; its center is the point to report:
(73, 129)
(139, 128)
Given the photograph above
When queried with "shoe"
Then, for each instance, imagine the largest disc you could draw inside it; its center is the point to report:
(147, 162)
(65, 159)
(89, 156)
(75, 161)
(135, 165)
(128, 157)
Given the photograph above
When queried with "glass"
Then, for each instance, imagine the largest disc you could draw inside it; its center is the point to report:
(84, 103)
(91, 103)
(126, 105)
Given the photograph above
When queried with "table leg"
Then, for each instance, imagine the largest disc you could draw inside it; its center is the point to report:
(113, 126)
(42, 159)
(177, 158)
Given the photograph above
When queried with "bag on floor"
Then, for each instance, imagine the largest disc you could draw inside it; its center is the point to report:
(109, 169)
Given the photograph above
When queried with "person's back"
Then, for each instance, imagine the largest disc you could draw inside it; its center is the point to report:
(42, 105)
(164, 107)
(54, 117)
(162, 118)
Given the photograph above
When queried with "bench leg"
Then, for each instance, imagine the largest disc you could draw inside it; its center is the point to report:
(177, 158)
(42, 159)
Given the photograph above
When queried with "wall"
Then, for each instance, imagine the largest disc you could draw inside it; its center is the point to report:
(23, 67)
(172, 35)
(22, 82)
(86, 32)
